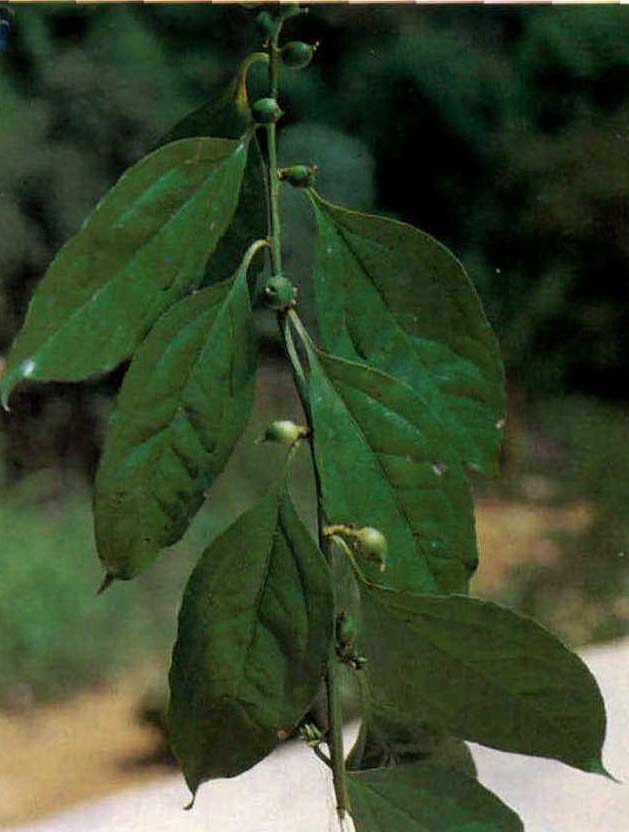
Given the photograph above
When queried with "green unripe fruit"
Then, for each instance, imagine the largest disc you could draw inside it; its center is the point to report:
(284, 432)
(297, 54)
(266, 111)
(266, 24)
(371, 544)
(299, 176)
(279, 292)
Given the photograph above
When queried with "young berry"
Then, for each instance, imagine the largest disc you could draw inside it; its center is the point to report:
(371, 544)
(284, 432)
(279, 293)
(266, 111)
(296, 54)
(299, 176)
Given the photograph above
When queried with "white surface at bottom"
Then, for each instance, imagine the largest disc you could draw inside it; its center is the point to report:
(291, 790)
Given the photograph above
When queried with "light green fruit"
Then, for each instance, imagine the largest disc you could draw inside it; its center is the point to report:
(266, 111)
(279, 293)
(371, 544)
(297, 55)
(285, 432)
(299, 176)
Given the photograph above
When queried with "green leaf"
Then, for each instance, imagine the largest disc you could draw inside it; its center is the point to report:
(142, 249)
(385, 462)
(387, 738)
(227, 115)
(183, 404)
(255, 630)
(483, 673)
(393, 297)
(426, 798)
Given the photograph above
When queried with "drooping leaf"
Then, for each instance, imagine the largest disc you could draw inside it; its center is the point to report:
(142, 249)
(227, 115)
(483, 673)
(392, 296)
(385, 462)
(254, 634)
(387, 738)
(183, 404)
(426, 798)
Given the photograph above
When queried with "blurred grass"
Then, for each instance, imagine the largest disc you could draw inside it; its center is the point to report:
(58, 636)
(574, 451)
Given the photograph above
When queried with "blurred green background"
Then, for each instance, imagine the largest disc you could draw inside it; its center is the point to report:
(503, 131)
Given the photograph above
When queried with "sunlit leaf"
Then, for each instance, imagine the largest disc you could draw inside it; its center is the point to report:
(143, 248)
(392, 296)
(385, 462)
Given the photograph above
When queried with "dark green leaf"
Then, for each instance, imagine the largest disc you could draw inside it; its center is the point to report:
(183, 404)
(254, 635)
(227, 115)
(483, 673)
(143, 248)
(385, 462)
(392, 296)
(426, 798)
(387, 738)
(247, 225)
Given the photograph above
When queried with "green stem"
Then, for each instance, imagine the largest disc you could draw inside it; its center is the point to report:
(274, 182)
(333, 689)
(332, 680)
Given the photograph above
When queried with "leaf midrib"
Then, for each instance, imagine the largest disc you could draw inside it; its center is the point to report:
(384, 476)
(437, 396)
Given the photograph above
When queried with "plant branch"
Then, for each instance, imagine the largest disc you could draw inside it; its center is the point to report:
(332, 681)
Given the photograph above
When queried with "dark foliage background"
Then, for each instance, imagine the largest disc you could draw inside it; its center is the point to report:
(503, 131)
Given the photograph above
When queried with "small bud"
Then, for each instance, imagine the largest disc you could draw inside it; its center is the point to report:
(284, 432)
(299, 176)
(266, 111)
(279, 293)
(297, 55)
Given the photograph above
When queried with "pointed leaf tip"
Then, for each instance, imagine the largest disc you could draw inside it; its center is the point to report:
(596, 767)
(106, 583)
(190, 805)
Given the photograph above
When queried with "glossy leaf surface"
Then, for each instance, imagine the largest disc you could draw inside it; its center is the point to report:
(143, 248)
(183, 404)
(384, 462)
(254, 634)
(227, 115)
(393, 297)
(426, 798)
(481, 672)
